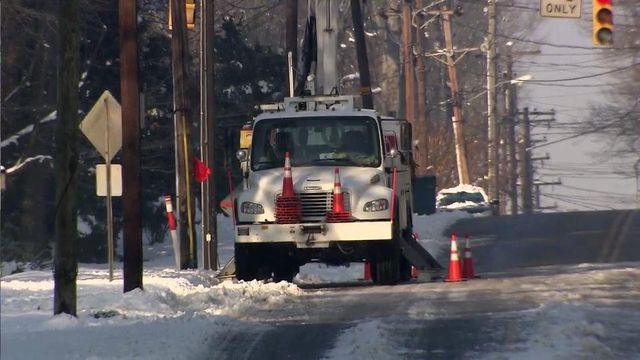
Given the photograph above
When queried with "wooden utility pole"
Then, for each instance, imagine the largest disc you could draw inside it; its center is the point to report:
(458, 133)
(526, 176)
(407, 62)
(291, 43)
(208, 136)
(492, 133)
(132, 227)
(510, 113)
(421, 140)
(66, 161)
(184, 185)
(361, 51)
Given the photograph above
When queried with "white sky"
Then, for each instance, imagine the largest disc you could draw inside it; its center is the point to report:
(572, 157)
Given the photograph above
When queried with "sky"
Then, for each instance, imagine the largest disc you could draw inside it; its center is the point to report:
(588, 182)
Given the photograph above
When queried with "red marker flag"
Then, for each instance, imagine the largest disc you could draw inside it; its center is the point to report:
(200, 170)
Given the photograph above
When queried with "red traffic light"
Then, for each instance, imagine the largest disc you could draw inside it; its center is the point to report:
(602, 22)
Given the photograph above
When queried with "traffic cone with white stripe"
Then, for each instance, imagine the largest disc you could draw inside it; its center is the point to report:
(338, 212)
(173, 229)
(288, 206)
(454, 261)
(467, 263)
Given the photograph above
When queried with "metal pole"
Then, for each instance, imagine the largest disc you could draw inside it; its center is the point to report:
(109, 203)
(407, 55)
(492, 156)
(129, 94)
(361, 51)
(291, 35)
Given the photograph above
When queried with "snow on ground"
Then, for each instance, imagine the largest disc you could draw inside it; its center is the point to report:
(176, 315)
(364, 341)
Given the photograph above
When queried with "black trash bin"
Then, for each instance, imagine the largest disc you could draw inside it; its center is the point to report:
(424, 195)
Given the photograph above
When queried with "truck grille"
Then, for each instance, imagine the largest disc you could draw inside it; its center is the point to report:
(315, 205)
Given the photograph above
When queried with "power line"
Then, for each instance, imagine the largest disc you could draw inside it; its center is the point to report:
(585, 76)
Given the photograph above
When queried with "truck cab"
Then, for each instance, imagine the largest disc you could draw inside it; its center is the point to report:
(329, 142)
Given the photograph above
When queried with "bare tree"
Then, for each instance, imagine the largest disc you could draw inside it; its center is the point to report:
(66, 160)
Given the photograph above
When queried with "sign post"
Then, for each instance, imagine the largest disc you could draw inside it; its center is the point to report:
(103, 127)
(561, 8)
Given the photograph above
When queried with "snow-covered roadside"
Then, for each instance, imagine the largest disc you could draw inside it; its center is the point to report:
(175, 317)
(175, 314)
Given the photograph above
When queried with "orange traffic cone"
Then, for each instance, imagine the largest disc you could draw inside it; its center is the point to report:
(287, 181)
(338, 212)
(454, 261)
(288, 206)
(467, 263)
(367, 270)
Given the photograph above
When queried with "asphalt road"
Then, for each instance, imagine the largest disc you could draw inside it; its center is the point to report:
(536, 299)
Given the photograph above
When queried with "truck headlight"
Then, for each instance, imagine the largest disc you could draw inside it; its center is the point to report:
(376, 205)
(248, 207)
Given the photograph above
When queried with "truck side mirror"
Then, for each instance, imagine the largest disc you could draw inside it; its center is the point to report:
(390, 160)
(243, 156)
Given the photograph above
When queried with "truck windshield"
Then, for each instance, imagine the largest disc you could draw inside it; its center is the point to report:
(316, 141)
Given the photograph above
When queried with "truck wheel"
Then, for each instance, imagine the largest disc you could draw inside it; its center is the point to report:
(285, 271)
(405, 269)
(388, 265)
(246, 267)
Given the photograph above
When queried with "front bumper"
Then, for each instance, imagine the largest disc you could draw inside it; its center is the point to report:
(314, 235)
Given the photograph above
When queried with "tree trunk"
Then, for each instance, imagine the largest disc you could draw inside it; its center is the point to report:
(66, 161)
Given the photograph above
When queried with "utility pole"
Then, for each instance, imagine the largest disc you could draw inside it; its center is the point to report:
(66, 162)
(129, 96)
(510, 113)
(492, 156)
(420, 128)
(526, 171)
(361, 51)
(208, 136)
(458, 133)
(184, 188)
(291, 43)
(407, 62)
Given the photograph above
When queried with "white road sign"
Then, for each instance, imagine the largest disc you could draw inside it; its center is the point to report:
(561, 8)
(103, 126)
(102, 183)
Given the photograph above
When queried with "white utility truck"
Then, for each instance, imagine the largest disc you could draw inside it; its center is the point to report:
(325, 137)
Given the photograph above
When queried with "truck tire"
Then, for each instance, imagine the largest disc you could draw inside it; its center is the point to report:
(249, 264)
(388, 262)
(285, 271)
(405, 269)
(246, 267)
(387, 265)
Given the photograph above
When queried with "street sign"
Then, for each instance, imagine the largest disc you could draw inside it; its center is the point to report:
(102, 183)
(103, 126)
(561, 8)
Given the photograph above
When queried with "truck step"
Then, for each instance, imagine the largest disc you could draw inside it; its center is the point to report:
(418, 256)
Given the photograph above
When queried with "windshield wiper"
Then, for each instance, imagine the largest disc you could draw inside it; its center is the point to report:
(261, 165)
(335, 160)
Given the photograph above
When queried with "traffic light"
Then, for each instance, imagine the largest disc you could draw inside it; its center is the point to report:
(190, 10)
(602, 25)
